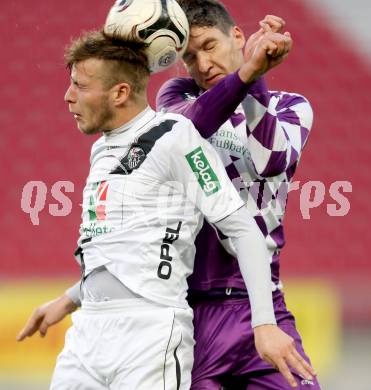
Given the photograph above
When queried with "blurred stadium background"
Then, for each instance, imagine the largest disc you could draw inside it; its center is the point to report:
(325, 267)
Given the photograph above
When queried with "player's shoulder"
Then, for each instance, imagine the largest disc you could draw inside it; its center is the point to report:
(176, 128)
(179, 85)
(290, 98)
(97, 146)
(299, 105)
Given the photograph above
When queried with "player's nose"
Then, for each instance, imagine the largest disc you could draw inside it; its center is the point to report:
(69, 96)
(203, 63)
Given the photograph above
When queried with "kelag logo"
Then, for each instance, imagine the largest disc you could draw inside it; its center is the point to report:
(205, 175)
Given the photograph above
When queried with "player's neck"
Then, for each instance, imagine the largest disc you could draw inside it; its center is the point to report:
(127, 114)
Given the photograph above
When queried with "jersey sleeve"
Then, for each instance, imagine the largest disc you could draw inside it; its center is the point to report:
(195, 164)
(253, 260)
(74, 293)
(277, 129)
(209, 110)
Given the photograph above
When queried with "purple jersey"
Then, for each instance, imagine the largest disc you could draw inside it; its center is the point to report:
(259, 135)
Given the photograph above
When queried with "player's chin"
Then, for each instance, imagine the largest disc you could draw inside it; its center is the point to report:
(87, 130)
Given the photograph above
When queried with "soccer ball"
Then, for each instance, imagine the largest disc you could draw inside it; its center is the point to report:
(161, 24)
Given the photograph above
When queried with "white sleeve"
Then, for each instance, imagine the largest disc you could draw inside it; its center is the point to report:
(253, 260)
(74, 293)
(196, 165)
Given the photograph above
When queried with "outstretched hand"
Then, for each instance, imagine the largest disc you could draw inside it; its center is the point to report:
(46, 315)
(278, 349)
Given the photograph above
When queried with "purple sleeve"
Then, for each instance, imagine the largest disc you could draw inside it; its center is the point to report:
(209, 110)
(278, 125)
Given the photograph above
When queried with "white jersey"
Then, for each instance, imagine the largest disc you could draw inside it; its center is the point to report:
(149, 184)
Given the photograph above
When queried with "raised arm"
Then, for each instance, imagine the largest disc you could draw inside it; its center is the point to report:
(209, 110)
(277, 124)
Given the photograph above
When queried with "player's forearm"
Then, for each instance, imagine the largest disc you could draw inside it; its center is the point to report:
(211, 109)
(215, 106)
(253, 260)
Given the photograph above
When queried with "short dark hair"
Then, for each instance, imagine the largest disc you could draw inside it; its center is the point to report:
(207, 13)
(127, 59)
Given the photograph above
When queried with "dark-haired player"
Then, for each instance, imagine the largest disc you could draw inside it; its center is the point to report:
(259, 135)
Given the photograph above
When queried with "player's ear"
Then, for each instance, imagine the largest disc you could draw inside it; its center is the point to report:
(121, 93)
(239, 37)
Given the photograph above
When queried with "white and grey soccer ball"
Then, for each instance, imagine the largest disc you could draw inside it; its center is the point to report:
(161, 24)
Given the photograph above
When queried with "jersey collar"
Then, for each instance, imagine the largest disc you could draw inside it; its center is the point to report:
(129, 129)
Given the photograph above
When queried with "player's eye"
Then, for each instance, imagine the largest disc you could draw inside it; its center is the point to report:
(79, 85)
(210, 46)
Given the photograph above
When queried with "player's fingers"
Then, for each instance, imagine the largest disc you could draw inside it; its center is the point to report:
(275, 22)
(265, 26)
(256, 35)
(269, 46)
(27, 331)
(32, 325)
(303, 363)
(298, 366)
(274, 25)
(278, 51)
(284, 45)
(283, 42)
(44, 328)
(275, 18)
(285, 371)
(21, 335)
